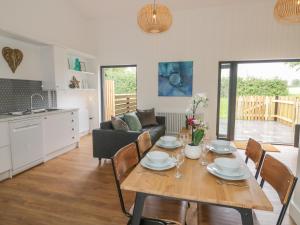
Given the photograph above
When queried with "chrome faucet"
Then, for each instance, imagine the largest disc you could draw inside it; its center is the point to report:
(31, 98)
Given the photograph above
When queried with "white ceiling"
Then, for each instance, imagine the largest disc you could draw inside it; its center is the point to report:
(94, 8)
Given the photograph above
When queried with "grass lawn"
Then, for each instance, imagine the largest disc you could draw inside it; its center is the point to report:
(224, 108)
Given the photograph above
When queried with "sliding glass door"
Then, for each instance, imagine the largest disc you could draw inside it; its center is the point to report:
(259, 99)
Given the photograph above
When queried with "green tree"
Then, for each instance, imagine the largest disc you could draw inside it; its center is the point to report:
(256, 87)
(262, 87)
(295, 65)
(296, 83)
(125, 79)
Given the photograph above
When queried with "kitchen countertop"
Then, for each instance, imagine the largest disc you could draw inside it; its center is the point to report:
(10, 118)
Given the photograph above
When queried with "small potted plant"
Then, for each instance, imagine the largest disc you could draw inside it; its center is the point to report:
(198, 127)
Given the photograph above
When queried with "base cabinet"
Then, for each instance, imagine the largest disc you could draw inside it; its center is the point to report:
(5, 159)
(60, 130)
(5, 154)
(26, 143)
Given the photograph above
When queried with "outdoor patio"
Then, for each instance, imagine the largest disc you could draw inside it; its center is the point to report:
(265, 131)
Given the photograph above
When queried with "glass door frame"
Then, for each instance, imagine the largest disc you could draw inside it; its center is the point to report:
(233, 66)
(102, 77)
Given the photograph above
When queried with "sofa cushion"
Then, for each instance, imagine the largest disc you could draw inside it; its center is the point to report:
(119, 124)
(147, 117)
(155, 132)
(133, 121)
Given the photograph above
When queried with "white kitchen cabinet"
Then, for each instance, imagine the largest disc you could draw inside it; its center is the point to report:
(55, 68)
(26, 143)
(5, 155)
(5, 159)
(4, 134)
(60, 131)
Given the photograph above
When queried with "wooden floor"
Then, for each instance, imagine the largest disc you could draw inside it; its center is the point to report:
(74, 190)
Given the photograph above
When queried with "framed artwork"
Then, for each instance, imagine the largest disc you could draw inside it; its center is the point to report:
(175, 78)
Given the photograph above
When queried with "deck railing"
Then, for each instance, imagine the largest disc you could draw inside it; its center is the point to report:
(117, 104)
(125, 103)
(283, 109)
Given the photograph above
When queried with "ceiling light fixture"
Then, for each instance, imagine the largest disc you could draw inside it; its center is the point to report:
(155, 18)
(287, 11)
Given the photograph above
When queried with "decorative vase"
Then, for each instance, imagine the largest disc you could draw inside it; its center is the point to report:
(192, 152)
(77, 65)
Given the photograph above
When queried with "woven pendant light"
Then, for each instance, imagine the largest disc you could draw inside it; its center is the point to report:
(154, 18)
(287, 11)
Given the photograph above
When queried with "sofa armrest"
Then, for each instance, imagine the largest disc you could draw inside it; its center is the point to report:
(161, 120)
(107, 142)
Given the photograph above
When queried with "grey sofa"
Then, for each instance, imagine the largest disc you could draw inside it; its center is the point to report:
(107, 141)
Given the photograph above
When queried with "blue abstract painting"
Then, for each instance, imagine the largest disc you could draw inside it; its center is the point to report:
(175, 78)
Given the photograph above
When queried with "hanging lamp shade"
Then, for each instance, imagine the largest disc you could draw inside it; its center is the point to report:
(287, 11)
(154, 18)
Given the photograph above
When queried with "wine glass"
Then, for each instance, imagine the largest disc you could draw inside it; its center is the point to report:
(204, 152)
(179, 162)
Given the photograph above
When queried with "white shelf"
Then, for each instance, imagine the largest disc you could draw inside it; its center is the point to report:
(81, 72)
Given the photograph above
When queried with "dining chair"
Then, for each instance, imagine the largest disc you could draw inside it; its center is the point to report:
(255, 152)
(280, 177)
(144, 143)
(273, 172)
(165, 211)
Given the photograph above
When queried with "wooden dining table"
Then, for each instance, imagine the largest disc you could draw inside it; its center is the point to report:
(195, 185)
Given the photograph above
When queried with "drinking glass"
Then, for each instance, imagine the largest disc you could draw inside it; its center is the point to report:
(204, 152)
(179, 162)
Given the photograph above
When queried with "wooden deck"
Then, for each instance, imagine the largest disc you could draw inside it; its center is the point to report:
(74, 190)
(265, 131)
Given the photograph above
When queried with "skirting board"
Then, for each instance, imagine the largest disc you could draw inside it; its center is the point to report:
(27, 167)
(295, 213)
(5, 175)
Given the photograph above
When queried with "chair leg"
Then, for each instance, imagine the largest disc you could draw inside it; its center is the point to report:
(282, 214)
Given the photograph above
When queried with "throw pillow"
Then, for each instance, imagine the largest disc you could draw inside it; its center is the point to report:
(147, 117)
(119, 124)
(133, 122)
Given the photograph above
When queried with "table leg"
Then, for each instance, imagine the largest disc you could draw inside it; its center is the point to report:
(138, 209)
(246, 215)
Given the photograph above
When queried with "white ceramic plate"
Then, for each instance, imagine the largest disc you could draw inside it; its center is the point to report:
(211, 168)
(177, 144)
(222, 151)
(147, 164)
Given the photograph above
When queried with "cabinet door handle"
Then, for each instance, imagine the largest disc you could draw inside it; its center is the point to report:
(73, 137)
(45, 118)
(72, 121)
(72, 113)
(72, 129)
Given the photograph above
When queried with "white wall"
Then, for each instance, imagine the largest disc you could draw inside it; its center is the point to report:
(53, 22)
(206, 36)
(30, 67)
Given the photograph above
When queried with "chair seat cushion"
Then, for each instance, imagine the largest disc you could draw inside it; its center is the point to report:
(164, 209)
(217, 215)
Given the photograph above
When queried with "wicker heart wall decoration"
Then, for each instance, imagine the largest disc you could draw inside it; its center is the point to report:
(13, 57)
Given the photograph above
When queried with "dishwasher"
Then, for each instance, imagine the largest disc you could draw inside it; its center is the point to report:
(26, 144)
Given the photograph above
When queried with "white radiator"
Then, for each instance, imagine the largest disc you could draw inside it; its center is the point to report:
(174, 121)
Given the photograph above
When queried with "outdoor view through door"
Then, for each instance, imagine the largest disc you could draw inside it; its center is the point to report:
(259, 99)
(118, 90)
